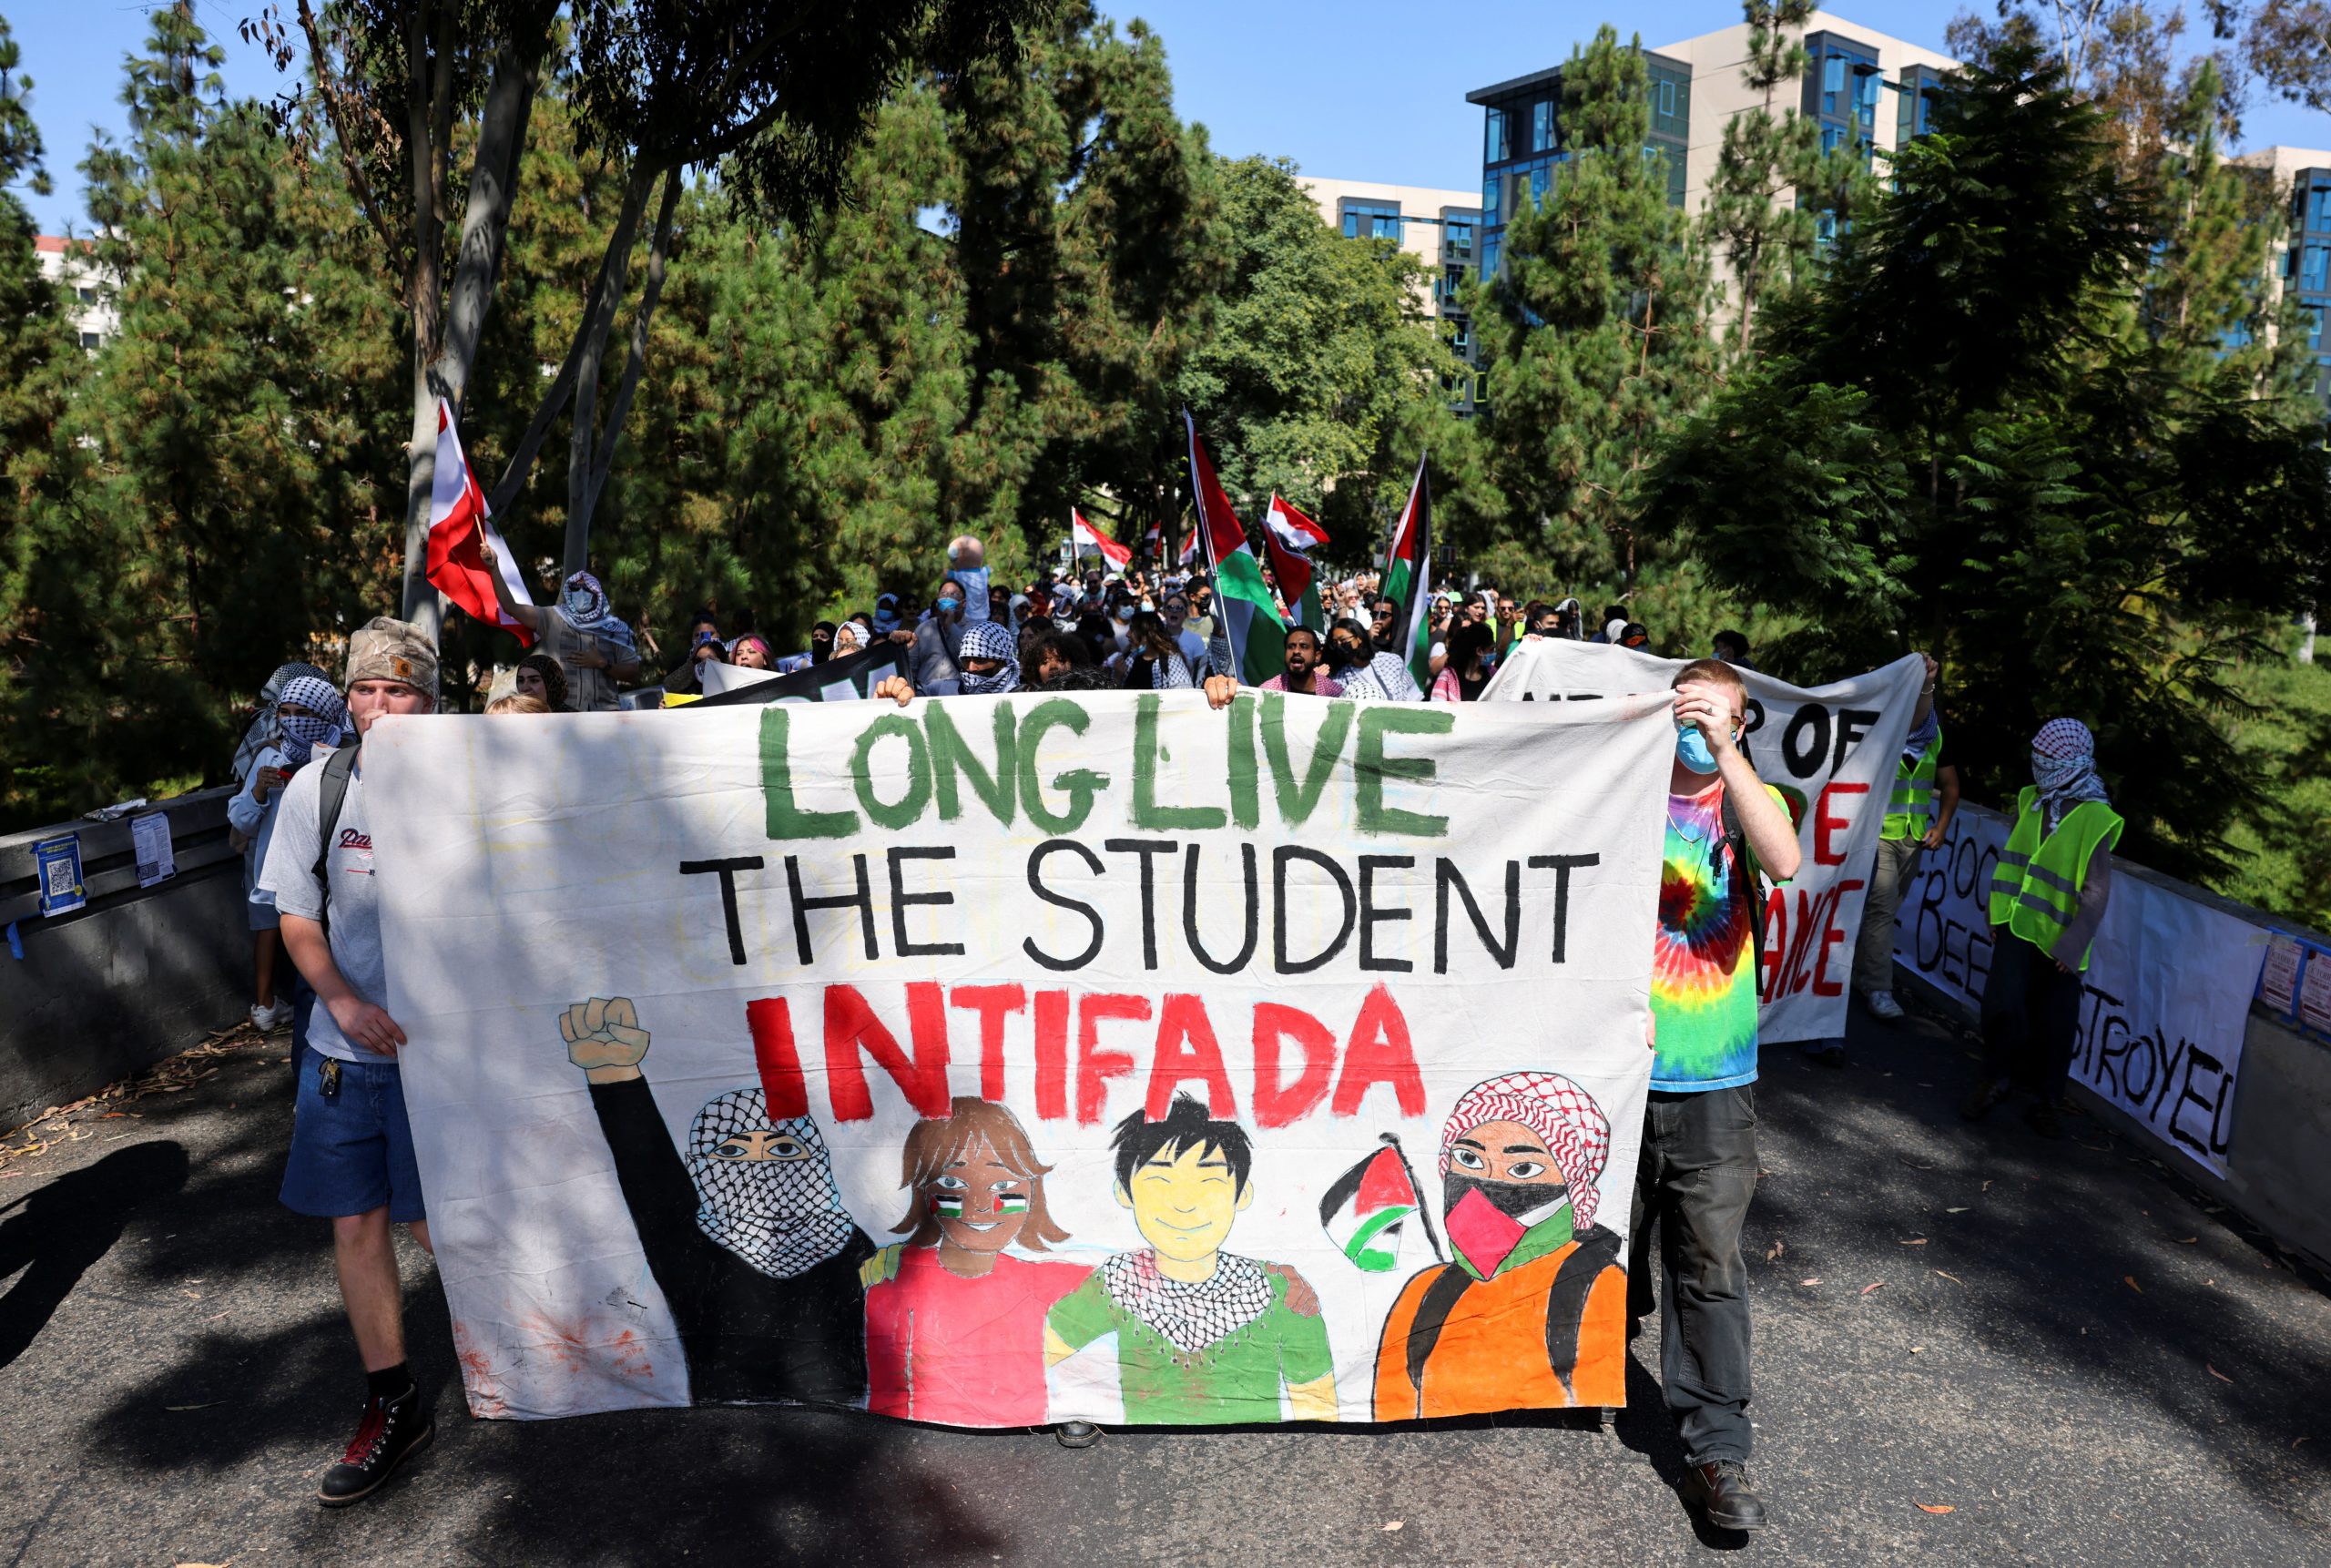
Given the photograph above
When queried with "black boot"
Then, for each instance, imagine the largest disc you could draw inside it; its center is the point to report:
(1719, 1491)
(392, 1429)
(1987, 1093)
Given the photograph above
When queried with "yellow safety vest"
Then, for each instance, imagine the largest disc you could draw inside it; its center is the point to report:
(2035, 891)
(1913, 799)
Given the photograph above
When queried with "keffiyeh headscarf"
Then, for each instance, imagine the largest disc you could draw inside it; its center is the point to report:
(584, 604)
(782, 1216)
(1188, 1315)
(2063, 765)
(1577, 1133)
(263, 731)
(989, 640)
(300, 735)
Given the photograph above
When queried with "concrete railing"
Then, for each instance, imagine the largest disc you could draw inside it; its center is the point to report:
(135, 975)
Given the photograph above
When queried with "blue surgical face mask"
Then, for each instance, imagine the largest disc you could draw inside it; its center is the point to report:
(1692, 750)
(948, 606)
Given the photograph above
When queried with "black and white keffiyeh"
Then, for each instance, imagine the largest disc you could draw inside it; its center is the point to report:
(985, 640)
(783, 1216)
(1189, 1316)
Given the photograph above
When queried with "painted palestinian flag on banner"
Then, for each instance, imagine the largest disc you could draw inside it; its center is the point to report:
(1408, 578)
(1243, 602)
(1083, 536)
(1368, 1210)
(1289, 538)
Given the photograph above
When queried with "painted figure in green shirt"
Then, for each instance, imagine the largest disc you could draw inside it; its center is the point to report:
(1203, 1336)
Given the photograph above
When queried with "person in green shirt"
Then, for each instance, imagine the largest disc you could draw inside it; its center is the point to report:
(1203, 1336)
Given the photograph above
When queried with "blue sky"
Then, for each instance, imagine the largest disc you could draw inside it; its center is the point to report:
(1356, 89)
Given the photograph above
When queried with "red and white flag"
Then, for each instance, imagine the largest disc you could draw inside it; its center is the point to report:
(1082, 534)
(1289, 537)
(456, 513)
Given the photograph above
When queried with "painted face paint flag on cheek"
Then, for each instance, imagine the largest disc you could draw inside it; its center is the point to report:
(1031, 1058)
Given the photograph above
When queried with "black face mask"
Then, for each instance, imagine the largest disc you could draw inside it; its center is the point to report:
(1510, 1198)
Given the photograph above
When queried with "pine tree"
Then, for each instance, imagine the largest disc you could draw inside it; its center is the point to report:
(1752, 218)
(1597, 334)
(55, 564)
(1959, 442)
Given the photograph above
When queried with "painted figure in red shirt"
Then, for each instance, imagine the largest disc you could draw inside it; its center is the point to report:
(954, 1316)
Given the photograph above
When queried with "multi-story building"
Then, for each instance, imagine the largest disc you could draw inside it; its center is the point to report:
(1440, 228)
(2302, 266)
(71, 263)
(1695, 90)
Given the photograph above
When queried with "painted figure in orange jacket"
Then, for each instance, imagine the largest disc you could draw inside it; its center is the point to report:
(1532, 1313)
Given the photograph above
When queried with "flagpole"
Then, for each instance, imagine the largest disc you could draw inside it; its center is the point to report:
(1423, 1204)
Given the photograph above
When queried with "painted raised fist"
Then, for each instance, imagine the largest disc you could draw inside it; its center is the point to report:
(604, 1038)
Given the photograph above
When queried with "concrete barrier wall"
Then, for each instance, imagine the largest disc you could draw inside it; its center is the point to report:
(135, 975)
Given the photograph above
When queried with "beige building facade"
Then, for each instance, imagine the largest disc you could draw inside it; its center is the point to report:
(1440, 228)
(70, 263)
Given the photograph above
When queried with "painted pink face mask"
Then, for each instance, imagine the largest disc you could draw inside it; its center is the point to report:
(1488, 1220)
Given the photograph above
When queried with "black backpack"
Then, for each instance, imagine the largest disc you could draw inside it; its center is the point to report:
(331, 793)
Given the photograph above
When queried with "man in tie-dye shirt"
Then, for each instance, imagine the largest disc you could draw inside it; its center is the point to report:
(1698, 1166)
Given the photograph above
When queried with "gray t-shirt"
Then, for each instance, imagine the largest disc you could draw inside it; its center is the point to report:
(290, 874)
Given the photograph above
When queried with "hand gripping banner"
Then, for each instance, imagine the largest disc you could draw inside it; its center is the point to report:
(1830, 751)
(1014, 1060)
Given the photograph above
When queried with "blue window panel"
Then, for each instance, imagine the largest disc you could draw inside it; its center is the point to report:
(1865, 89)
(1833, 84)
(1542, 126)
(1494, 144)
(2314, 267)
(1372, 221)
(1542, 174)
(2318, 206)
(1492, 255)
(1489, 200)
(1667, 97)
(1832, 138)
(2314, 314)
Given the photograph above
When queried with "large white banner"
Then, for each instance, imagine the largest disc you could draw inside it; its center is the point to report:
(2166, 995)
(1830, 751)
(1006, 1061)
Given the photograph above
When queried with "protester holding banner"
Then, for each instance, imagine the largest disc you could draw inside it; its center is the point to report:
(2049, 895)
(352, 1158)
(1468, 671)
(1697, 1171)
(936, 640)
(1918, 817)
(1154, 661)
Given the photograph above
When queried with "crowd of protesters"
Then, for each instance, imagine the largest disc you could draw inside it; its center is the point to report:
(301, 812)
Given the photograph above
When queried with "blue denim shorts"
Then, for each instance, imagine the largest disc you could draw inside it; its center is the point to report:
(351, 1154)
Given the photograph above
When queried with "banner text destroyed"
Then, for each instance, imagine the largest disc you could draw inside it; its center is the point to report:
(1327, 972)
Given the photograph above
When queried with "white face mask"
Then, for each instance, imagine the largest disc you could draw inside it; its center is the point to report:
(1147, 606)
(578, 602)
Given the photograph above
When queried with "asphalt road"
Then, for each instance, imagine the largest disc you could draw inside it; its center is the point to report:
(1972, 1346)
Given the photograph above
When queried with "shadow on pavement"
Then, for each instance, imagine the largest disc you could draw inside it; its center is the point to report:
(58, 1230)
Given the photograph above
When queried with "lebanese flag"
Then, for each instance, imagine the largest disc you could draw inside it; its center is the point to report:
(1082, 534)
(1408, 577)
(1248, 617)
(1289, 538)
(1366, 1212)
(456, 513)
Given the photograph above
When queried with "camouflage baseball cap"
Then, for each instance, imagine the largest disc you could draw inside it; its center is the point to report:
(386, 649)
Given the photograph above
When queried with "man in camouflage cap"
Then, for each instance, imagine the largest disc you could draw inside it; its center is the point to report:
(352, 1148)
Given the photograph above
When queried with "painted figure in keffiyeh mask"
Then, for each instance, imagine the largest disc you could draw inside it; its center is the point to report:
(743, 1227)
(1533, 1312)
(1202, 1335)
(991, 646)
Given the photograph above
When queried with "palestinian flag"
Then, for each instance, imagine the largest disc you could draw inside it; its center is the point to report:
(1407, 578)
(1289, 538)
(1083, 536)
(1368, 1210)
(1243, 608)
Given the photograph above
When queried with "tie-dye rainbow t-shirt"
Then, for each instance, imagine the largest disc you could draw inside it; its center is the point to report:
(1704, 972)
